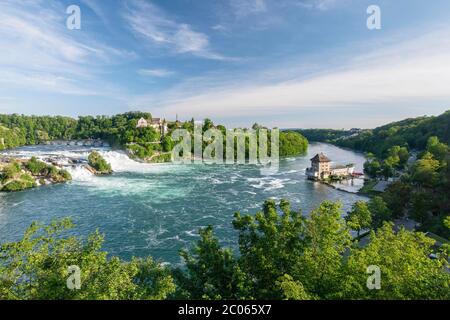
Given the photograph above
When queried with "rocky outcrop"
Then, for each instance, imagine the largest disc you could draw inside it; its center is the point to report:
(19, 174)
(98, 165)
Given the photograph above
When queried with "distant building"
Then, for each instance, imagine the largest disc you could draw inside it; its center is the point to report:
(321, 169)
(142, 123)
(158, 124)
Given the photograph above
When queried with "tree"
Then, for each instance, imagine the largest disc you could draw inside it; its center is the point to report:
(211, 272)
(372, 167)
(397, 197)
(292, 144)
(425, 170)
(438, 149)
(359, 218)
(36, 268)
(207, 124)
(320, 266)
(97, 162)
(270, 244)
(446, 222)
(167, 143)
(256, 126)
(379, 211)
(407, 272)
(397, 156)
(291, 289)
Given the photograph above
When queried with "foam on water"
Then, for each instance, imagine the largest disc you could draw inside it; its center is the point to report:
(80, 173)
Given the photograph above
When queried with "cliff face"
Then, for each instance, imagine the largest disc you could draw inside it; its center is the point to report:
(18, 175)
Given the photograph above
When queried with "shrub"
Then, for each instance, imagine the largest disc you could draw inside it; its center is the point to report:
(11, 170)
(35, 166)
(97, 162)
(24, 182)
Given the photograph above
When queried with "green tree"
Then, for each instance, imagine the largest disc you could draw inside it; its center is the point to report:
(207, 124)
(446, 222)
(438, 149)
(35, 166)
(291, 289)
(372, 168)
(36, 268)
(360, 217)
(292, 144)
(425, 170)
(407, 272)
(320, 266)
(97, 162)
(211, 272)
(379, 211)
(167, 143)
(270, 245)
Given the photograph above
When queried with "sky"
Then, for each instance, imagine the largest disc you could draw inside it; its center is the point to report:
(281, 63)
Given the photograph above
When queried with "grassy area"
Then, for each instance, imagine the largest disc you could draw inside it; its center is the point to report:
(367, 190)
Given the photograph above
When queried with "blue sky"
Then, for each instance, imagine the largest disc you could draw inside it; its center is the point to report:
(291, 63)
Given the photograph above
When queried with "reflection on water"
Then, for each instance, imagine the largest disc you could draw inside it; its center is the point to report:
(155, 210)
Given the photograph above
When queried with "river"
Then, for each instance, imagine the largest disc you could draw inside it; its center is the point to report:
(157, 209)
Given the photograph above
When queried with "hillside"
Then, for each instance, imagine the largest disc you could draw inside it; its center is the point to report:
(413, 132)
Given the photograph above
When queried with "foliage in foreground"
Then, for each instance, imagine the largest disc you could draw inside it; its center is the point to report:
(36, 268)
(282, 255)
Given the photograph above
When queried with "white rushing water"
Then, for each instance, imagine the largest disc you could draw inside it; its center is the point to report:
(119, 160)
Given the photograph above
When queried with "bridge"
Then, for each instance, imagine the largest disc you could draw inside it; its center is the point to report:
(82, 142)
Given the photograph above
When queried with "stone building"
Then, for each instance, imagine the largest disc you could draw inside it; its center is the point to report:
(158, 124)
(321, 169)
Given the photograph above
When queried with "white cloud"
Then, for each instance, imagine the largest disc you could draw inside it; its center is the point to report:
(243, 8)
(149, 21)
(97, 9)
(408, 72)
(39, 53)
(160, 73)
(316, 4)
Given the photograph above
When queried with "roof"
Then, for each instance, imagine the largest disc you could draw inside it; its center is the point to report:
(320, 157)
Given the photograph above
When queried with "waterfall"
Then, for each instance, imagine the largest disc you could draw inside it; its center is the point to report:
(80, 173)
(75, 158)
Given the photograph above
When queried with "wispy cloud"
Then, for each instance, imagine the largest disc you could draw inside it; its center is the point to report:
(243, 8)
(404, 73)
(38, 52)
(316, 4)
(152, 23)
(96, 7)
(159, 73)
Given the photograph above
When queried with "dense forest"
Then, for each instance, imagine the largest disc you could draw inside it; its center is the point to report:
(283, 254)
(324, 135)
(119, 130)
(415, 154)
(411, 133)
